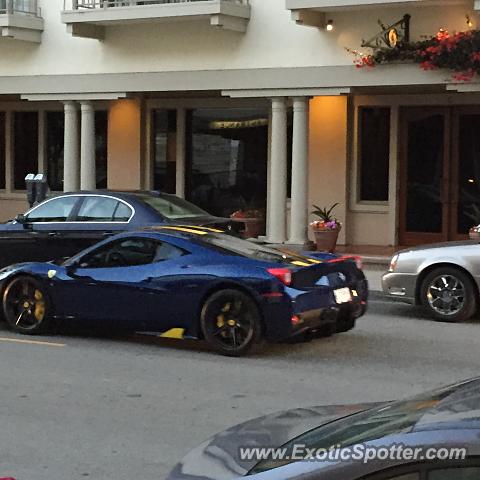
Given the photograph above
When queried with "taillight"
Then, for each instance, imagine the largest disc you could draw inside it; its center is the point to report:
(359, 263)
(283, 274)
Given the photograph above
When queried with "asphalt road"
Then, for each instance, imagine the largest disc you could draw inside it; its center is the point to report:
(109, 408)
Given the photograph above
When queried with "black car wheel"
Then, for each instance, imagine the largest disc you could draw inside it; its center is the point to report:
(26, 306)
(230, 322)
(449, 295)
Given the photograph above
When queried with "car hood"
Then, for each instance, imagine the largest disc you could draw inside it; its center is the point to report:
(462, 243)
(218, 457)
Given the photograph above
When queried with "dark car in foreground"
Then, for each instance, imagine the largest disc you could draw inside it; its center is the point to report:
(63, 225)
(192, 282)
(432, 436)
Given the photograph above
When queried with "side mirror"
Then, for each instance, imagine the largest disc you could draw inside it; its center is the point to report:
(21, 218)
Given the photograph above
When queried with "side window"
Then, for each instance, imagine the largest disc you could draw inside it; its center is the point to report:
(166, 251)
(457, 473)
(56, 210)
(394, 474)
(103, 209)
(130, 252)
(122, 213)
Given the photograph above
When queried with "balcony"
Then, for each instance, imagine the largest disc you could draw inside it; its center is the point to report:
(89, 18)
(312, 12)
(21, 20)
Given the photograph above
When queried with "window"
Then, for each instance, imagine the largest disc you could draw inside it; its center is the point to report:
(103, 209)
(55, 126)
(56, 210)
(226, 159)
(457, 473)
(172, 207)
(2, 151)
(164, 150)
(101, 147)
(130, 252)
(122, 213)
(25, 147)
(374, 150)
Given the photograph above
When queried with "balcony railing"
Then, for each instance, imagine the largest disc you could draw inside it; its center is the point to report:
(90, 18)
(91, 4)
(22, 7)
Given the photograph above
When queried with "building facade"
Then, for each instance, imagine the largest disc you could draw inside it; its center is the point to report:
(243, 104)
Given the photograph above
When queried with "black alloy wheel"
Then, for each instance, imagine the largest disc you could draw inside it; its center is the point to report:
(26, 306)
(230, 322)
(449, 295)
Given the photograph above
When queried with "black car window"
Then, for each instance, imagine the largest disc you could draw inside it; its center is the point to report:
(457, 473)
(172, 207)
(102, 209)
(55, 210)
(122, 213)
(130, 252)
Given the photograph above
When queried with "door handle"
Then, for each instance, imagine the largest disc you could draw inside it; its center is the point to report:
(53, 234)
(107, 234)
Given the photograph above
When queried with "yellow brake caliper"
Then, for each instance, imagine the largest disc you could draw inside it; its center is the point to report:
(221, 317)
(39, 306)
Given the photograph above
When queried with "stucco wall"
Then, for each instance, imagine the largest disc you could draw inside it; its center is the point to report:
(125, 130)
(272, 40)
(328, 156)
(368, 229)
(10, 208)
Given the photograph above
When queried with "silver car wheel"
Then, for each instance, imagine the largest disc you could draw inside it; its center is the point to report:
(446, 295)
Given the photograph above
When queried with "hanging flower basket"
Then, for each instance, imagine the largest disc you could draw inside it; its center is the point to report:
(458, 52)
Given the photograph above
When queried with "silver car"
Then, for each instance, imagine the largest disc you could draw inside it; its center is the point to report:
(444, 278)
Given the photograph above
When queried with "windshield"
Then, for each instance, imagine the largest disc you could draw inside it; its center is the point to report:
(396, 418)
(172, 207)
(245, 248)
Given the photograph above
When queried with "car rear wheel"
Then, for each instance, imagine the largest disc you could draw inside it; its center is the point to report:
(449, 295)
(26, 306)
(230, 322)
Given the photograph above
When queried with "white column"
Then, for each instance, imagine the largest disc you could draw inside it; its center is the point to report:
(180, 154)
(299, 204)
(276, 215)
(71, 151)
(87, 152)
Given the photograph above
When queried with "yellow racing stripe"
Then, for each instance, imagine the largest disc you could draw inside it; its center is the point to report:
(186, 230)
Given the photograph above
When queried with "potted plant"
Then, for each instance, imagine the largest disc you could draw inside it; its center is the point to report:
(474, 214)
(326, 228)
(253, 219)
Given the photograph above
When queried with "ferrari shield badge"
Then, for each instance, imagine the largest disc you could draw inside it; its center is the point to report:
(51, 273)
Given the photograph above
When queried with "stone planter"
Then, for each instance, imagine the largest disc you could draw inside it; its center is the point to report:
(326, 239)
(254, 226)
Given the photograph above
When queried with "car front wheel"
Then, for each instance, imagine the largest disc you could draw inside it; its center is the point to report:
(26, 306)
(449, 295)
(230, 322)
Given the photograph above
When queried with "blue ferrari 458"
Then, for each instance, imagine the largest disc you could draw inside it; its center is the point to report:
(188, 282)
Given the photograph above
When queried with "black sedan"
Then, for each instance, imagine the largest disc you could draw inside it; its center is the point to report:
(433, 436)
(62, 226)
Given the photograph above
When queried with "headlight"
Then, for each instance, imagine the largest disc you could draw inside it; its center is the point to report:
(393, 263)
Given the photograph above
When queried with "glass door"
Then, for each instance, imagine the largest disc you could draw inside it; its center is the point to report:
(425, 175)
(465, 211)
